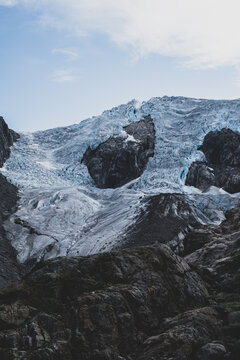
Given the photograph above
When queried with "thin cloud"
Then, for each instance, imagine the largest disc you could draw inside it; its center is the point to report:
(64, 76)
(201, 33)
(8, 2)
(69, 53)
(237, 76)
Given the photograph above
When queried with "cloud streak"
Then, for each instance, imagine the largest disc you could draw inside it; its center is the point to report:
(71, 54)
(64, 76)
(201, 33)
(8, 2)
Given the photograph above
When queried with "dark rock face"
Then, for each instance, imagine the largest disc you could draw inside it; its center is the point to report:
(9, 269)
(222, 169)
(7, 138)
(104, 306)
(211, 351)
(222, 147)
(200, 175)
(216, 257)
(166, 219)
(118, 161)
(181, 335)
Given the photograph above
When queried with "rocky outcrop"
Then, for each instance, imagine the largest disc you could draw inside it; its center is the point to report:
(201, 176)
(105, 306)
(222, 166)
(166, 219)
(214, 252)
(9, 268)
(120, 160)
(7, 138)
(181, 337)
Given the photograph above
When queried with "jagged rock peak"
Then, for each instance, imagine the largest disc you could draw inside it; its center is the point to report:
(119, 160)
(7, 138)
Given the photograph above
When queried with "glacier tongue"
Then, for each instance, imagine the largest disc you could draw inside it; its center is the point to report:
(67, 221)
(61, 212)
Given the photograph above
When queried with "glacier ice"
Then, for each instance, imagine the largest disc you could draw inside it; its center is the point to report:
(68, 215)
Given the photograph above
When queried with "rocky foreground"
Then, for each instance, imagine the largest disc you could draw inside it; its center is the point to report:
(140, 303)
(143, 302)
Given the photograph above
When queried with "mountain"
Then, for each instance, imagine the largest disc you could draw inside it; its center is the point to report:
(61, 211)
(120, 235)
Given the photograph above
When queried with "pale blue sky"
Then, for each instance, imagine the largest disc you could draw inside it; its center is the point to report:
(63, 61)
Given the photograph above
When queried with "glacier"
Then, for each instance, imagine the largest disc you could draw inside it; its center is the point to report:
(61, 212)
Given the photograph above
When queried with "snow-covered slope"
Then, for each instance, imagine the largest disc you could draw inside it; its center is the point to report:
(61, 212)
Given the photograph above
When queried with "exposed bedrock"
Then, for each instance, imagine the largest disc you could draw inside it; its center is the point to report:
(166, 219)
(119, 160)
(7, 138)
(222, 166)
(9, 268)
(200, 175)
(107, 306)
(180, 337)
(214, 252)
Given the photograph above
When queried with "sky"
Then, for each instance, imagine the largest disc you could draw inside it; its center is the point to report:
(62, 61)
